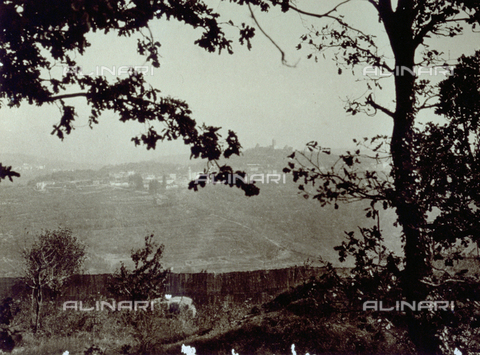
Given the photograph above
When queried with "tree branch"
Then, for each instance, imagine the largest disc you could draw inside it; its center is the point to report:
(427, 106)
(375, 5)
(384, 7)
(321, 15)
(430, 27)
(429, 96)
(387, 67)
(440, 284)
(376, 106)
(327, 15)
(67, 96)
(418, 39)
(284, 60)
(457, 19)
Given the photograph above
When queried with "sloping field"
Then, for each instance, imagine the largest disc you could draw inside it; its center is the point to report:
(215, 229)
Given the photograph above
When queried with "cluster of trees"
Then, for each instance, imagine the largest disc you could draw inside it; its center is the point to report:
(434, 168)
(137, 181)
(55, 255)
(147, 279)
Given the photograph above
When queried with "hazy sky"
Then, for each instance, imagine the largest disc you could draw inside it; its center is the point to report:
(250, 92)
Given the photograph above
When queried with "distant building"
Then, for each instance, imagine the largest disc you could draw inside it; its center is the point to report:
(41, 186)
(119, 184)
(253, 167)
(192, 175)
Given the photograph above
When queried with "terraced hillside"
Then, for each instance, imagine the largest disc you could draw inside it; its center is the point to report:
(215, 229)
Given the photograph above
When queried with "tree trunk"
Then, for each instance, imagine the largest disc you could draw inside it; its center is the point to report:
(410, 215)
(412, 219)
(38, 310)
(36, 304)
(409, 212)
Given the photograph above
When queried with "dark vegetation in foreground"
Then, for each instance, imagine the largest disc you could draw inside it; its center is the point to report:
(307, 316)
(321, 313)
(320, 316)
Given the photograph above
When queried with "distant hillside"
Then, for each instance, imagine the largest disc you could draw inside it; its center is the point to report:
(20, 159)
(216, 229)
(253, 160)
(30, 166)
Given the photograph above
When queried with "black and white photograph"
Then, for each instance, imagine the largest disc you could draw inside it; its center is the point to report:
(239, 177)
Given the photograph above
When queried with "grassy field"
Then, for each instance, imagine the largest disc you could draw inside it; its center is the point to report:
(215, 229)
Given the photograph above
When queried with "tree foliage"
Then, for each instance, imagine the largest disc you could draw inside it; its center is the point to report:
(146, 280)
(432, 168)
(6, 172)
(414, 187)
(136, 180)
(8, 336)
(154, 187)
(52, 258)
(36, 37)
(446, 189)
(450, 179)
